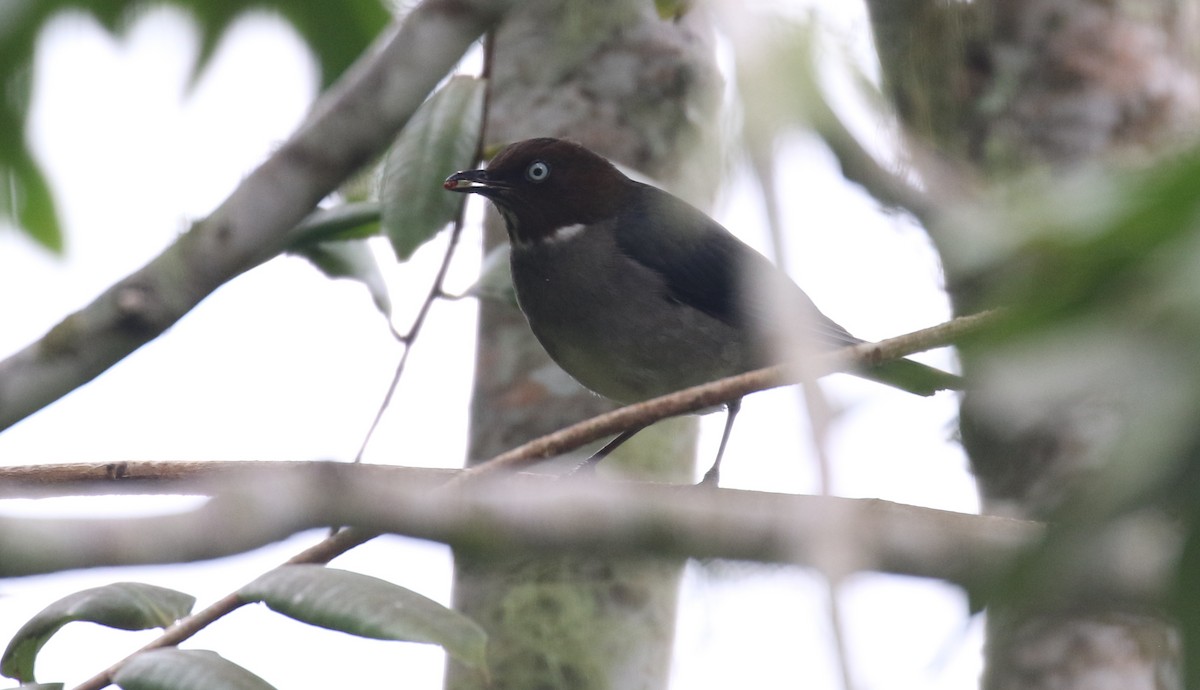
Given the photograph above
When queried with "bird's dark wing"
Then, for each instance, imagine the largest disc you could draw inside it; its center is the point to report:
(707, 268)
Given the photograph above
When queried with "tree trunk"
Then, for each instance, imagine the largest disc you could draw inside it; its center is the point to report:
(1004, 86)
(643, 91)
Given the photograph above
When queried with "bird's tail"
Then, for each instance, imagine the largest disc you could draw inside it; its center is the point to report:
(912, 377)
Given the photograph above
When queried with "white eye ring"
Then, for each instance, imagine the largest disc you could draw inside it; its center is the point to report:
(537, 171)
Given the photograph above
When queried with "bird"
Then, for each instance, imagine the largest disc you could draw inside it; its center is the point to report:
(636, 293)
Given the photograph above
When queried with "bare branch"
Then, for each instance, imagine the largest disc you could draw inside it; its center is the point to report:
(348, 126)
(530, 513)
(716, 393)
(174, 477)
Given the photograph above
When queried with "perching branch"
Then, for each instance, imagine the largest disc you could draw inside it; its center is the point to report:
(716, 393)
(355, 120)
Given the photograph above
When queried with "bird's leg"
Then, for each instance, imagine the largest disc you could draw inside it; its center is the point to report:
(713, 475)
(589, 466)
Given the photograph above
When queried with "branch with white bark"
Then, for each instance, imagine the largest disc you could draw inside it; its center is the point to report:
(254, 506)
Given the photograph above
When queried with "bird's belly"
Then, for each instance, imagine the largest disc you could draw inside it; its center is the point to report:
(616, 331)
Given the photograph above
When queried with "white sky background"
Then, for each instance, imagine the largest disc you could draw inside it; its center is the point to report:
(285, 364)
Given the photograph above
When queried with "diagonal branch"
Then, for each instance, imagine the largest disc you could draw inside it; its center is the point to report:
(716, 393)
(358, 117)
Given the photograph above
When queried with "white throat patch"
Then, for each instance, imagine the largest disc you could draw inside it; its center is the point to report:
(566, 232)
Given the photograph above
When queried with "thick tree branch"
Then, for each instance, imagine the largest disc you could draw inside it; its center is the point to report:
(355, 120)
(189, 478)
(529, 513)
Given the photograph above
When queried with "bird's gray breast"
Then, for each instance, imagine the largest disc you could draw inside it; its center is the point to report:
(610, 322)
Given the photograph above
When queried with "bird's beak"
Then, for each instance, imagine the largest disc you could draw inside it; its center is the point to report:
(469, 181)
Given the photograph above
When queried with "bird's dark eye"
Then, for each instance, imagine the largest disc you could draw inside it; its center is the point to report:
(537, 171)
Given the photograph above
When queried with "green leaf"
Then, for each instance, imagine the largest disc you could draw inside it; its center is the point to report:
(368, 607)
(354, 221)
(439, 140)
(179, 669)
(351, 259)
(123, 605)
(672, 10)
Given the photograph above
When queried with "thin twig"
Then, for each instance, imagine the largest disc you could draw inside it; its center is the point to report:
(409, 338)
(437, 289)
(816, 405)
(837, 630)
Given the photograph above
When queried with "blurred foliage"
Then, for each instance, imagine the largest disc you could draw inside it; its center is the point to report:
(1096, 273)
(337, 33)
(352, 259)
(334, 240)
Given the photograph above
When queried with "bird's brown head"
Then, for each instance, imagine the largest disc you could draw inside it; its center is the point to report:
(543, 185)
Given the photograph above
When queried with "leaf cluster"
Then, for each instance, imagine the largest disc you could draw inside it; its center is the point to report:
(334, 599)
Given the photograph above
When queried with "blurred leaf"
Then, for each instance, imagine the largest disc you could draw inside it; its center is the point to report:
(672, 9)
(354, 221)
(495, 278)
(773, 49)
(24, 197)
(123, 605)
(1093, 360)
(38, 686)
(350, 259)
(337, 33)
(179, 669)
(1050, 249)
(368, 607)
(439, 140)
